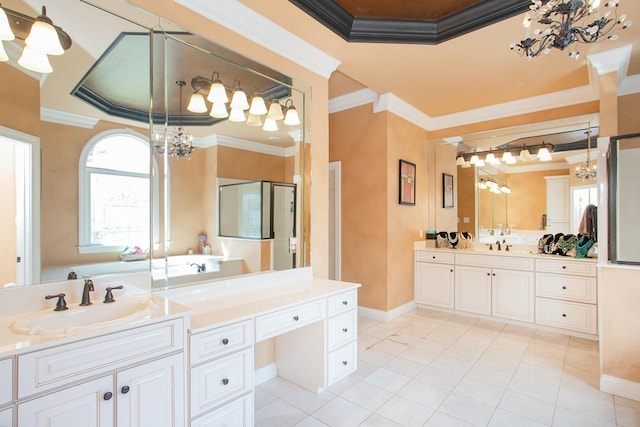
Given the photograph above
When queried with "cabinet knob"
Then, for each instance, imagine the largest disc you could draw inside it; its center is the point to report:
(564, 315)
(488, 274)
(493, 274)
(564, 287)
(434, 257)
(451, 270)
(225, 341)
(107, 396)
(344, 362)
(345, 330)
(124, 389)
(296, 318)
(345, 302)
(564, 267)
(225, 381)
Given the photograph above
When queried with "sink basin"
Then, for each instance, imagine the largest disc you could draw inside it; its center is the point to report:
(83, 319)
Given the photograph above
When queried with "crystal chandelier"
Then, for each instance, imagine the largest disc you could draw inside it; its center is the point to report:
(568, 22)
(178, 143)
(589, 168)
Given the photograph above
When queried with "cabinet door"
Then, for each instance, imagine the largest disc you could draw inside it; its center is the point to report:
(85, 405)
(473, 289)
(434, 284)
(513, 294)
(558, 203)
(152, 395)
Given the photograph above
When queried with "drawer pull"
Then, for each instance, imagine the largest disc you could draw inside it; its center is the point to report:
(107, 396)
(344, 330)
(296, 318)
(225, 381)
(345, 302)
(434, 257)
(564, 287)
(225, 341)
(344, 362)
(564, 267)
(124, 389)
(564, 315)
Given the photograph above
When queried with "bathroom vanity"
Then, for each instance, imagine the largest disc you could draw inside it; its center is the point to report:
(547, 291)
(187, 360)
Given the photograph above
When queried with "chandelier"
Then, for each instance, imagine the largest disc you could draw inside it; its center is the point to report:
(587, 169)
(568, 22)
(178, 143)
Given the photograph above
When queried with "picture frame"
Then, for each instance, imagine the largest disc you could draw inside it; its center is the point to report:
(447, 190)
(407, 183)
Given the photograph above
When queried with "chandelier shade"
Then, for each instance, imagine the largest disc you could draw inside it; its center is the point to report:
(566, 23)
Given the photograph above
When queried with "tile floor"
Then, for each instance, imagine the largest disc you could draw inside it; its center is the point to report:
(429, 368)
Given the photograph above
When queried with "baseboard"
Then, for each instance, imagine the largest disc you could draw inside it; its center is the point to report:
(264, 374)
(620, 387)
(371, 313)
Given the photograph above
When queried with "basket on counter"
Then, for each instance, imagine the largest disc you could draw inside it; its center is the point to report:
(134, 257)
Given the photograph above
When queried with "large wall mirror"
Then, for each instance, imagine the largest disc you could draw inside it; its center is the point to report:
(516, 202)
(624, 204)
(118, 83)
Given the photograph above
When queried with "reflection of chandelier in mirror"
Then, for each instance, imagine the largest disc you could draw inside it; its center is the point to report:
(40, 36)
(217, 95)
(509, 155)
(492, 185)
(178, 143)
(568, 22)
(587, 169)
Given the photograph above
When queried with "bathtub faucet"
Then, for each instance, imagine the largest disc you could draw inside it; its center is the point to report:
(201, 267)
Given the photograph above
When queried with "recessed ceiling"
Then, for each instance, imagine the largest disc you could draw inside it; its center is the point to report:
(408, 21)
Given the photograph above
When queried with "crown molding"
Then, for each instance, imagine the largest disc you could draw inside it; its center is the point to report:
(65, 118)
(241, 144)
(243, 20)
(535, 166)
(17, 135)
(611, 60)
(352, 100)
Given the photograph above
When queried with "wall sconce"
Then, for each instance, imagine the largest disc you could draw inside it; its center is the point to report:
(217, 91)
(41, 38)
(238, 98)
(291, 117)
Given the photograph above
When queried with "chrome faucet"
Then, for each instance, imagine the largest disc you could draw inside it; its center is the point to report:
(88, 287)
(201, 267)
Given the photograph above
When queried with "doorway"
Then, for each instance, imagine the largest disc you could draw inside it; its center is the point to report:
(284, 224)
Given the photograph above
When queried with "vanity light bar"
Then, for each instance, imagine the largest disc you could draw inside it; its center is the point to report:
(507, 155)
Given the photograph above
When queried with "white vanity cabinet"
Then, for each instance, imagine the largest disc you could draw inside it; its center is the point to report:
(434, 278)
(129, 378)
(342, 333)
(6, 392)
(505, 289)
(221, 376)
(566, 294)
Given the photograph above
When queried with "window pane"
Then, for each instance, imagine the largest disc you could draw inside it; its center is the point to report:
(121, 153)
(119, 210)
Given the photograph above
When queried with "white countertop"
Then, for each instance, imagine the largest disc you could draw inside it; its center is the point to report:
(217, 303)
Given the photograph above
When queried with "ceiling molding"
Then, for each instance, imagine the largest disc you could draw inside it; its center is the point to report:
(611, 60)
(534, 166)
(240, 144)
(629, 86)
(352, 100)
(16, 135)
(243, 20)
(380, 30)
(65, 118)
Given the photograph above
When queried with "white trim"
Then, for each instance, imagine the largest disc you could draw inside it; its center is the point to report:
(335, 173)
(65, 118)
(620, 387)
(534, 166)
(385, 316)
(352, 100)
(264, 374)
(241, 144)
(611, 60)
(629, 86)
(241, 19)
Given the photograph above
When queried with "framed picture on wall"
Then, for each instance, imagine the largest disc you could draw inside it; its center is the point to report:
(447, 190)
(407, 181)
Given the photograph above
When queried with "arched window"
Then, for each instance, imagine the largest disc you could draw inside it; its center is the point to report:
(114, 197)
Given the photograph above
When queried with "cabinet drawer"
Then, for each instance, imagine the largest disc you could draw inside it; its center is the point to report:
(276, 323)
(342, 362)
(6, 385)
(566, 287)
(220, 380)
(56, 366)
(342, 329)
(499, 260)
(435, 256)
(238, 413)
(568, 315)
(342, 302)
(220, 342)
(566, 266)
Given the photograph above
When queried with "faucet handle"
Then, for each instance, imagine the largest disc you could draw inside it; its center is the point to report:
(109, 295)
(61, 304)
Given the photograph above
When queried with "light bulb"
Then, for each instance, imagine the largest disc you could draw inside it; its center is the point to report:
(44, 37)
(217, 92)
(258, 106)
(270, 125)
(219, 110)
(35, 60)
(197, 104)
(237, 115)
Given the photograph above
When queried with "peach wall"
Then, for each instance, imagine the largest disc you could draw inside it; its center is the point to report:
(404, 222)
(466, 199)
(359, 140)
(20, 107)
(528, 199)
(8, 215)
(628, 113)
(445, 162)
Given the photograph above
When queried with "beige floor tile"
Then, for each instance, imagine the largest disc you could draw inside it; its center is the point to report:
(528, 407)
(502, 418)
(405, 412)
(341, 413)
(467, 409)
